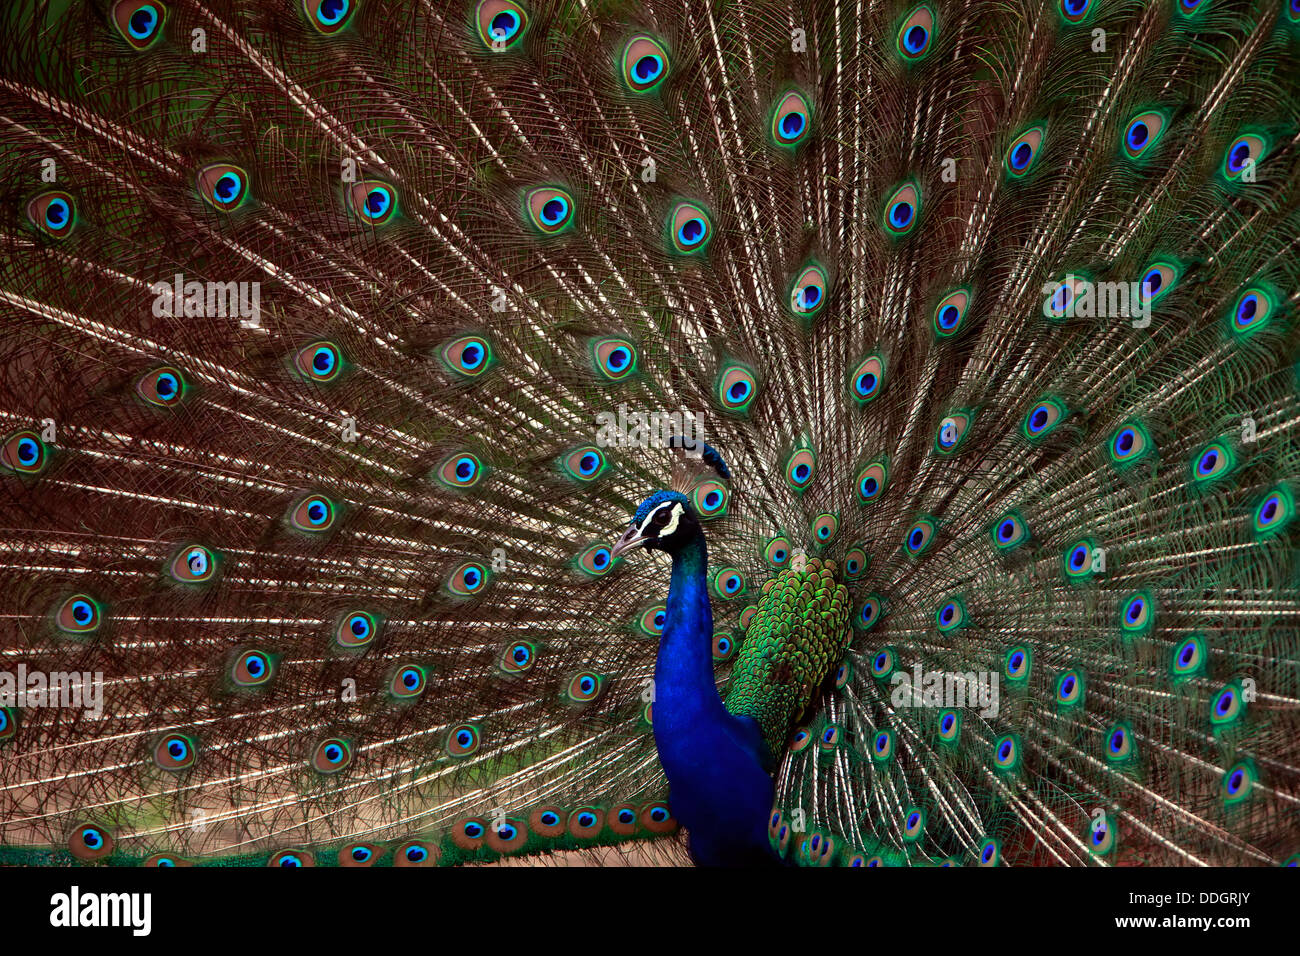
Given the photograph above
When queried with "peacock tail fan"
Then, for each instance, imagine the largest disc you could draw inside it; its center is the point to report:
(342, 339)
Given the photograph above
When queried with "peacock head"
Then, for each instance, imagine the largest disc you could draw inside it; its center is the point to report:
(665, 521)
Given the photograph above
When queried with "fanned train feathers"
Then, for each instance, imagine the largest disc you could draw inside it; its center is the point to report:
(340, 548)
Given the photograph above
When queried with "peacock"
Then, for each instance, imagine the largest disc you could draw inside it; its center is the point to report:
(804, 432)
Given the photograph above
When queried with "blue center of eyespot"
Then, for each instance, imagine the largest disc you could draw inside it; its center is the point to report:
(417, 854)
(254, 666)
(600, 558)
(142, 22)
(618, 359)
(738, 391)
(869, 486)
(914, 40)
(28, 451)
(197, 561)
(947, 613)
(323, 360)
(507, 832)
(792, 124)
(1067, 687)
(1079, 555)
(866, 383)
(1021, 155)
(915, 538)
(470, 356)
(733, 583)
(1137, 135)
(1234, 782)
(586, 820)
(81, 612)
(504, 25)
(227, 188)
(1208, 461)
(1237, 159)
(331, 12)
(1075, 7)
(900, 214)
(1247, 308)
(410, 678)
(166, 386)
(91, 838)
(1004, 751)
(1225, 701)
(659, 619)
(778, 555)
(549, 818)
(1152, 281)
(316, 512)
(659, 814)
(948, 316)
(1124, 443)
(464, 468)
(882, 658)
(868, 611)
(1006, 530)
(647, 68)
(377, 202)
(359, 626)
(56, 214)
(521, 655)
(882, 742)
(1098, 832)
(712, 499)
(1117, 742)
(473, 830)
(810, 296)
(1269, 511)
(588, 463)
(1135, 610)
(360, 854)
(554, 210)
(691, 232)
(176, 749)
(988, 853)
(464, 738)
(912, 820)
(948, 722)
(333, 753)
(801, 472)
(1187, 654)
(1016, 660)
(587, 685)
(724, 645)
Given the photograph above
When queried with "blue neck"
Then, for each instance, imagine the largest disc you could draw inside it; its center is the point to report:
(713, 760)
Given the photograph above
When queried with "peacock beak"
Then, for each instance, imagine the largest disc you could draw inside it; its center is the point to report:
(631, 539)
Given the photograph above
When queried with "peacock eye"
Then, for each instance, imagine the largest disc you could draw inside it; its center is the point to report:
(53, 213)
(645, 63)
(1102, 835)
(174, 752)
(1060, 304)
(463, 740)
(855, 562)
(90, 842)
(800, 741)
(951, 431)
(139, 23)
(1212, 462)
(1189, 7)
(652, 620)
(843, 674)
(710, 498)
(1079, 558)
(614, 358)
(902, 209)
(792, 119)
(883, 663)
(359, 854)
(867, 378)
(372, 201)
(869, 615)
(990, 853)
(777, 552)
(1009, 532)
(1246, 151)
(549, 209)
(1274, 512)
(501, 24)
(737, 386)
(518, 658)
(824, 527)
(164, 387)
(1006, 752)
(1238, 782)
(223, 186)
(314, 513)
(872, 479)
(1017, 663)
(882, 746)
(1159, 278)
(252, 668)
(728, 583)
(1075, 11)
(915, 34)
(1137, 613)
(1143, 132)
(408, 681)
(24, 452)
(595, 560)
(584, 464)
(1251, 311)
(1024, 150)
(329, 16)
(193, 564)
(319, 362)
(1069, 688)
(551, 821)
(1120, 747)
(689, 228)
(469, 578)
(1042, 419)
(418, 853)
(723, 647)
(79, 614)
(808, 291)
(586, 822)
(1188, 658)
(1130, 444)
(950, 726)
(913, 824)
(950, 312)
(919, 537)
(356, 629)
(468, 356)
(951, 614)
(800, 468)
(1227, 705)
(461, 470)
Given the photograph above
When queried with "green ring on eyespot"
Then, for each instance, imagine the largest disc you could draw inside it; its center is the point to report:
(1007, 753)
(1159, 278)
(1143, 132)
(902, 210)
(1213, 463)
(1188, 658)
(1071, 688)
(1275, 512)
(689, 229)
(500, 24)
(1252, 311)
(1130, 444)
(1137, 614)
(1238, 783)
(791, 119)
(1009, 531)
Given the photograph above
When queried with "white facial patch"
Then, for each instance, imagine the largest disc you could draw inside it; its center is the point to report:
(671, 526)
